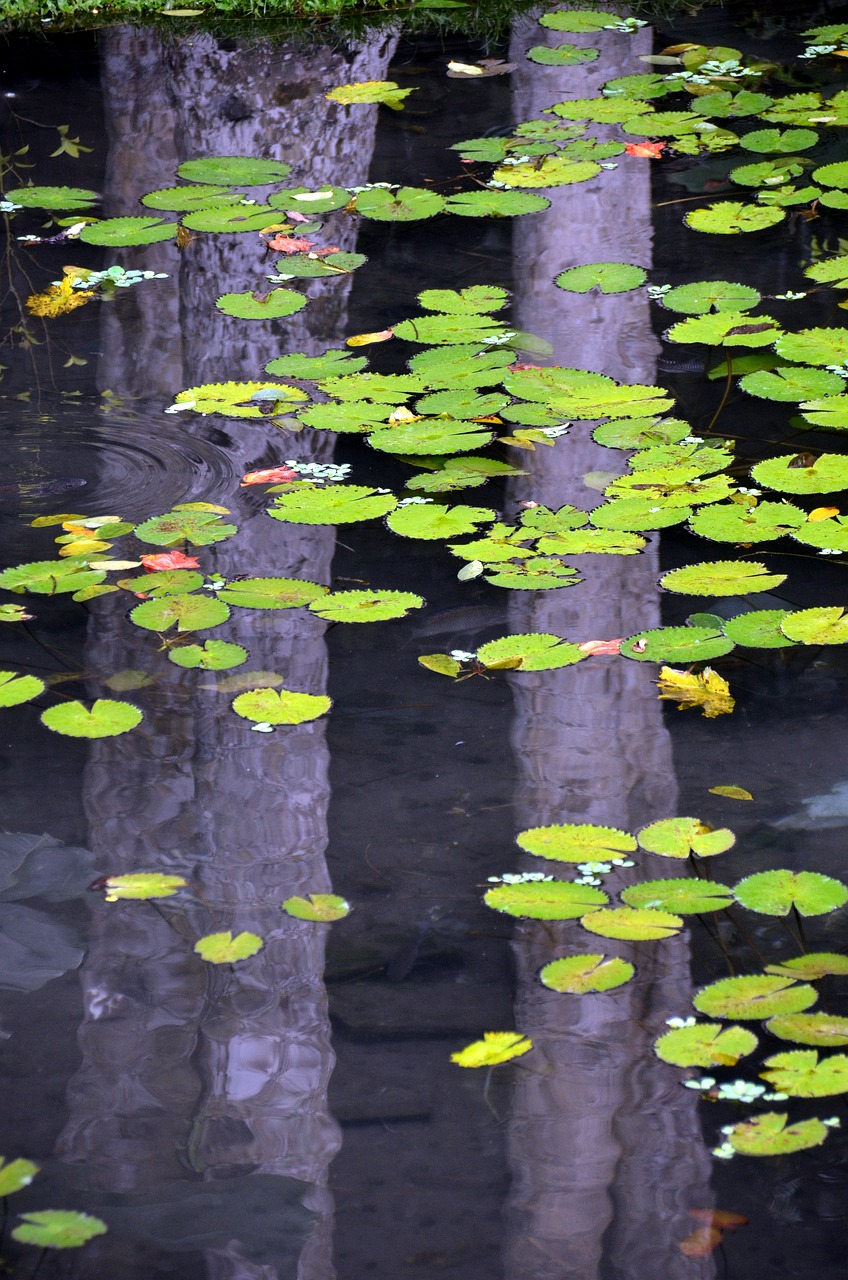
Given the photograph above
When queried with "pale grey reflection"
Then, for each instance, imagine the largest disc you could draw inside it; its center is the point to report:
(193, 1077)
(606, 1147)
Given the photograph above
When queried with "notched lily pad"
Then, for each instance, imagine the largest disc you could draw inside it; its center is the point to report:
(322, 908)
(706, 1045)
(680, 837)
(754, 996)
(225, 948)
(802, 1074)
(105, 719)
(579, 975)
(824, 1029)
(141, 885)
(633, 924)
(494, 1048)
(570, 842)
(58, 1229)
(280, 706)
(770, 1135)
(545, 899)
(776, 893)
(366, 606)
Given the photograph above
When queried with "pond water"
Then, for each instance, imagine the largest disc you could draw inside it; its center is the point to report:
(296, 1113)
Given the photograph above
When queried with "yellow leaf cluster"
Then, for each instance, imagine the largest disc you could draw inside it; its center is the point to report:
(58, 299)
(705, 689)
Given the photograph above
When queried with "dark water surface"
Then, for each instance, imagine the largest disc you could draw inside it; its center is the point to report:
(296, 1116)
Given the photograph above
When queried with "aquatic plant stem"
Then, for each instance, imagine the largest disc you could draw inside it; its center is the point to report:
(801, 937)
(41, 1258)
(727, 385)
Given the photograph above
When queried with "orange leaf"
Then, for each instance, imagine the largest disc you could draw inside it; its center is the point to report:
(701, 1242)
(168, 560)
(822, 513)
(289, 244)
(722, 1219)
(271, 475)
(601, 646)
(652, 150)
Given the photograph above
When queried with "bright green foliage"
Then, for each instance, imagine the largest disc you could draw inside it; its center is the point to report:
(321, 908)
(323, 199)
(328, 365)
(731, 522)
(635, 433)
(307, 267)
(67, 198)
(801, 1074)
(271, 593)
(212, 655)
(432, 520)
(791, 384)
(16, 1175)
(476, 298)
(386, 388)
(537, 651)
(591, 541)
(832, 175)
(167, 582)
(708, 295)
(407, 204)
(15, 689)
(280, 706)
(365, 606)
(461, 403)
(632, 924)
(370, 91)
(58, 1229)
(722, 578)
(261, 306)
(753, 996)
(50, 577)
(677, 644)
(235, 399)
(224, 948)
(430, 435)
(830, 535)
(830, 411)
(105, 719)
(451, 330)
(726, 329)
(188, 613)
(13, 613)
(814, 346)
(577, 393)
(602, 110)
(579, 20)
(832, 271)
(688, 896)
(813, 965)
(554, 171)
(787, 141)
(608, 277)
(730, 218)
(706, 1045)
(142, 885)
(118, 232)
(184, 199)
(571, 842)
(223, 219)
(803, 473)
(442, 663)
(817, 626)
(823, 1029)
(776, 893)
(461, 366)
(638, 514)
(759, 629)
(768, 173)
(561, 55)
(545, 899)
(338, 504)
(579, 975)
(200, 528)
(494, 1048)
(237, 171)
(680, 837)
(770, 1135)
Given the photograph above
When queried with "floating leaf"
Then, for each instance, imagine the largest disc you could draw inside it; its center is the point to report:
(365, 606)
(167, 582)
(322, 908)
(711, 295)
(15, 689)
(16, 1175)
(224, 948)
(631, 514)
(561, 55)
(236, 399)
(801, 1073)
(200, 528)
(442, 663)
(142, 885)
(832, 175)
(106, 719)
(677, 644)
(706, 1045)
(721, 578)
(608, 277)
(338, 504)
(306, 266)
(268, 306)
(188, 613)
(328, 365)
(832, 271)
(554, 171)
(731, 792)
(759, 629)
(431, 520)
(632, 924)
(68, 198)
(791, 383)
(813, 965)
(786, 141)
(58, 1229)
(212, 655)
(323, 199)
(579, 20)
(685, 897)
(726, 329)
(816, 626)
(452, 330)
(370, 91)
(227, 219)
(814, 346)
(50, 577)
(491, 203)
(407, 204)
(770, 1135)
(776, 893)
(494, 1048)
(280, 706)
(731, 218)
(545, 899)
(184, 199)
(462, 403)
(579, 975)
(753, 996)
(116, 232)
(680, 837)
(828, 473)
(602, 110)
(430, 435)
(571, 842)
(824, 1029)
(537, 651)
(271, 593)
(541, 573)
(236, 171)
(705, 689)
(731, 522)
(14, 613)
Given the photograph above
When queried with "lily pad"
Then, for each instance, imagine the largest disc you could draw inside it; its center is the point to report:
(814, 346)
(731, 522)
(188, 613)
(224, 948)
(212, 655)
(828, 473)
(322, 908)
(142, 885)
(770, 1135)
(569, 842)
(184, 199)
(15, 1175)
(706, 1045)
(268, 306)
(494, 1048)
(821, 625)
(365, 606)
(200, 528)
(730, 217)
(786, 141)
(759, 629)
(407, 204)
(722, 578)
(15, 688)
(677, 644)
(689, 896)
(579, 975)
(632, 924)
(754, 996)
(802, 1074)
(105, 719)
(776, 893)
(608, 277)
(580, 20)
(553, 171)
(430, 435)
(313, 368)
(280, 706)
(119, 232)
(824, 1029)
(537, 651)
(791, 383)
(491, 203)
(680, 837)
(338, 504)
(711, 295)
(813, 965)
(561, 55)
(271, 593)
(50, 577)
(307, 266)
(370, 91)
(236, 171)
(69, 198)
(638, 514)
(431, 520)
(58, 1229)
(545, 899)
(231, 218)
(726, 329)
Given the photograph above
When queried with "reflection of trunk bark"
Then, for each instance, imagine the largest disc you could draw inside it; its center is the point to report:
(190, 1071)
(606, 1147)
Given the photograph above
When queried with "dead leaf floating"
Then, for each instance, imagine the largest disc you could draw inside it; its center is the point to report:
(476, 70)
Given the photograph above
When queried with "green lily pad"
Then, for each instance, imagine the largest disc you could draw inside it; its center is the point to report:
(236, 171)
(731, 522)
(452, 330)
(365, 606)
(545, 899)
(539, 573)
(832, 175)
(461, 366)
(15, 689)
(635, 433)
(185, 199)
(313, 368)
(578, 393)
(722, 578)
(631, 924)
(106, 719)
(306, 266)
(813, 965)
(553, 171)
(235, 399)
(770, 1135)
(387, 388)
(323, 199)
(537, 651)
(677, 644)
(680, 837)
(280, 706)
(442, 663)
(230, 218)
(561, 55)
(726, 329)
(801, 1073)
(706, 1045)
(322, 908)
(167, 582)
(830, 411)
(602, 110)
(688, 896)
(579, 20)
(711, 295)
(753, 996)
(591, 542)
(430, 435)
(570, 842)
(823, 625)
(188, 613)
(432, 520)
(337, 504)
(638, 514)
(730, 218)
(116, 232)
(344, 417)
(407, 204)
(268, 306)
(50, 577)
(824, 1029)
(212, 655)
(142, 885)
(828, 473)
(463, 403)
(791, 383)
(477, 298)
(786, 141)
(579, 975)
(271, 593)
(16, 1175)
(832, 271)
(69, 198)
(776, 893)
(608, 277)
(814, 346)
(494, 1048)
(200, 528)
(13, 613)
(759, 629)
(58, 1229)
(370, 91)
(224, 948)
